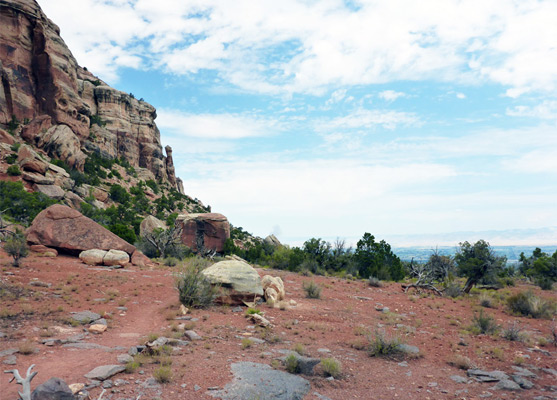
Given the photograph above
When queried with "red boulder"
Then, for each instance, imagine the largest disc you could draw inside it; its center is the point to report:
(204, 231)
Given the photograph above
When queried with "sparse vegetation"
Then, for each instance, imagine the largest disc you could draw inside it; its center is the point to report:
(381, 345)
(16, 246)
(194, 290)
(163, 374)
(512, 332)
(483, 324)
(13, 170)
(291, 363)
(331, 367)
(529, 305)
(461, 362)
(312, 289)
(374, 282)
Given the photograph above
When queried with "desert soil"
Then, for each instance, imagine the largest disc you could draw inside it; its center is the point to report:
(142, 301)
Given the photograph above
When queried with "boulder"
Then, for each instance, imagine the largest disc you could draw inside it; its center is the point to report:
(139, 259)
(272, 241)
(53, 389)
(37, 178)
(52, 191)
(67, 229)
(202, 232)
(273, 287)
(238, 280)
(43, 250)
(149, 224)
(5, 137)
(97, 328)
(104, 372)
(72, 200)
(29, 160)
(116, 257)
(92, 257)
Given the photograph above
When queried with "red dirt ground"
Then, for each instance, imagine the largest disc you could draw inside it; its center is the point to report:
(339, 322)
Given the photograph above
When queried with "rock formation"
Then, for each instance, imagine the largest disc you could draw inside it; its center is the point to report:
(237, 280)
(202, 232)
(66, 229)
(65, 110)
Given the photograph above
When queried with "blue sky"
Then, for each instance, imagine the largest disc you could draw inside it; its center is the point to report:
(334, 118)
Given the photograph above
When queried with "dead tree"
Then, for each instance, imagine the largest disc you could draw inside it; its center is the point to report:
(163, 240)
(25, 382)
(425, 278)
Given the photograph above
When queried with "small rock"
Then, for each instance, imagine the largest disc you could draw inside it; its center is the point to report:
(8, 352)
(522, 382)
(183, 309)
(85, 317)
(120, 382)
(197, 388)
(305, 364)
(107, 384)
(524, 372)
(403, 364)
(97, 328)
(104, 372)
(237, 309)
(323, 350)
(124, 358)
(100, 321)
(10, 360)
(459, 379)
(76, 387)
(408, 349)
(192, 335)
(506, 384)
(54, 388)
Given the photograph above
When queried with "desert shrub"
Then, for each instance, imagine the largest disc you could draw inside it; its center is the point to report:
(13, 170)
(26, 348)
(16, 246)
(132, 366)
(478, 263)
(483, 324)
(299, 348)
(10, 159)
(247, 343)
(381, 345)
(331, 367)
(171, 261)
(486, 300)
(374, 282)
(312, 289)
(460, 362)
(291, 363)
(119, 194)
(544, 283)
(15, 147)
(163, 374)
(251, 311)
(530, 305)
(96, 119)
(194, 290)
(512, 332)
(452, 289)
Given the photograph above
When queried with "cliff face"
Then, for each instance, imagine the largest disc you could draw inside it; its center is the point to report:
(43, 87)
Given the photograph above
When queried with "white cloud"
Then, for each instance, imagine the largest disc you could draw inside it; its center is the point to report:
(368, 119)
(214, 126)
(391, 95)
(545, 110)
(294, 46)
(461, 96)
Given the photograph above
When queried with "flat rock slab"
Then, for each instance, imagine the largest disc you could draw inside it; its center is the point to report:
(260, 381)
(85, 317)
(104, 372)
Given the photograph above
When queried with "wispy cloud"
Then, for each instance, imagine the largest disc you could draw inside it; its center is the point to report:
(368, 119)
(545, 110)
(215, 126)
(294, 46)
(391, 95)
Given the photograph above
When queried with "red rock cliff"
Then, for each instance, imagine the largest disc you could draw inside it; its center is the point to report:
(42, 86)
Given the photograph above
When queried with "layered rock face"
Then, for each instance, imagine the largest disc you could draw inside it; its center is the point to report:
(206, 231)
(65, 109)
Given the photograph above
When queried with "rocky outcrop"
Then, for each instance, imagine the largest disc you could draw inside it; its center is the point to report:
(149, 224)
(201, 232)
(64, 109)
(238, 281)
(272, 240)
(66, 229)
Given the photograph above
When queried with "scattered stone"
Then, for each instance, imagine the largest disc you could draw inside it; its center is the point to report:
(8, 352)
(86, 346)
(124, 358)
(408, 349)
(197, 388)
(192, 335)
(101, 321)
(253, 380)
(260, 320)
(10, 360)
(485, 376)
(53, 389)
(506, 384)
(524, 372)
(522, 382)
(150, 383)
(107, 384)
(40, 284)
(84, 317)
(432, 384)
(305, 364)
(323, 350)
(403, 364)
(76, 387)
(550, 371)
(544, 352)
(120, 382)
(104, 372)
(237, 309)
(459, 379)
(97, 328)
(122, 308)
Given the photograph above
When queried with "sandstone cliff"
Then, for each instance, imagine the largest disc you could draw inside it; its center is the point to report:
(55, 105)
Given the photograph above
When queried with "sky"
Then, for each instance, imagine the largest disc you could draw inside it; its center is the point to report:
(333, 118)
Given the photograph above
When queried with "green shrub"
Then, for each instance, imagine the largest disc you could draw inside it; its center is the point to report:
(530, 305)
(291, 363)
(512, 332)
(13, 170)
(20, 205)
(313, 291)
(247, 343)
(374, 282)
(483, 324)
(486, 300)
(132, 366)
(10, 159)
(163, 374)
(194, 290)
(16, 246)
(119, 194)
(452, 289)
(96, 119)
(544, 283)
(252, 310)
(171, 261)
(380, 345)
(15, 147)
(331, 367)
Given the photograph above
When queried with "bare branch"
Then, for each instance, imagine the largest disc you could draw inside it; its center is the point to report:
(25, 382)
